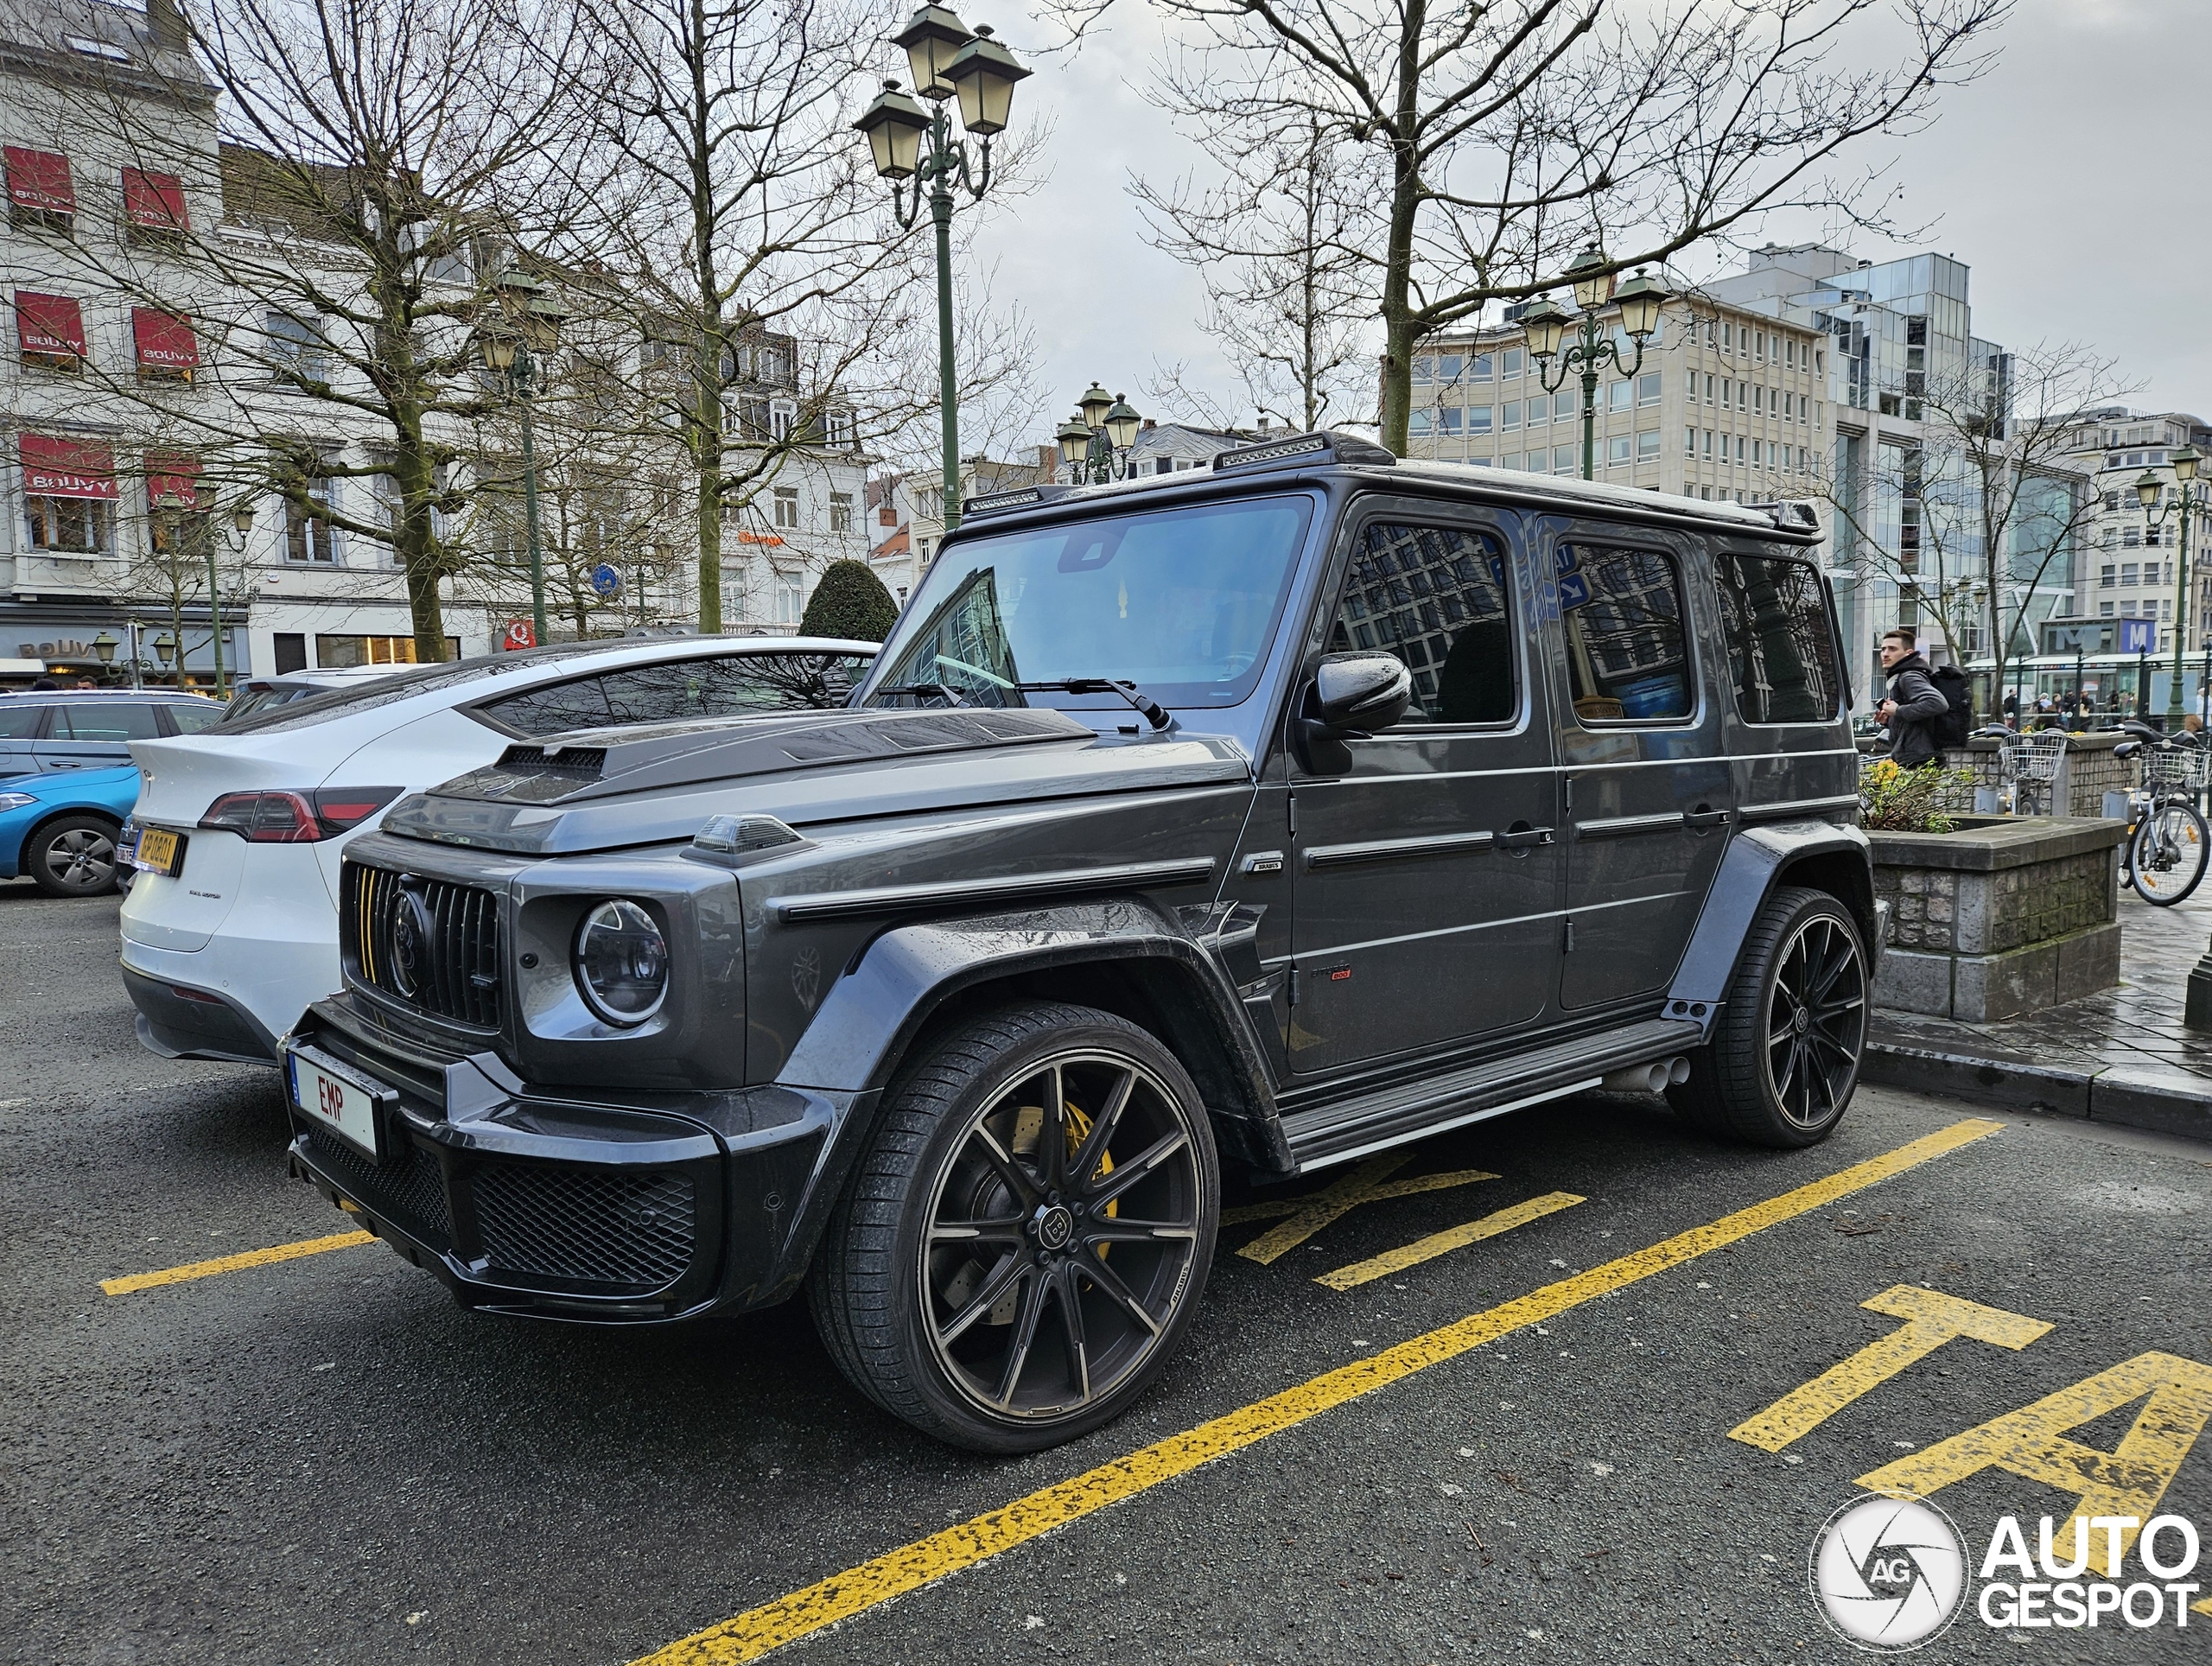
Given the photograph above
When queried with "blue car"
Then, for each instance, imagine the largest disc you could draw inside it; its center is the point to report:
(61, 828)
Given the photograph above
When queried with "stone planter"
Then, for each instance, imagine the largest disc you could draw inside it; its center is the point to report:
(2000, 917)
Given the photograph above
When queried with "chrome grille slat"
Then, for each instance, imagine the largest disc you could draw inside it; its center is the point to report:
(462, 942)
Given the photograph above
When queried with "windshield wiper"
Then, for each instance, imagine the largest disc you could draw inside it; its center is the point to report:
(1154, 714)
(943, 691)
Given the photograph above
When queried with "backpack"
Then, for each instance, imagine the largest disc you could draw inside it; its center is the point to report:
(1951, 728)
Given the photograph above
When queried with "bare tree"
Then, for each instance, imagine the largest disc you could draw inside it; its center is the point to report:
(1277, 248)
(1505, 134)
(1988, 500)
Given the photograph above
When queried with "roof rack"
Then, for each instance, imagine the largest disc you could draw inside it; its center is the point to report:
(1790, 514)
(1326, 445)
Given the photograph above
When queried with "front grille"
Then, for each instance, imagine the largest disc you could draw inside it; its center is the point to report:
(595, 1226)
(430, 943)
(408, 1188)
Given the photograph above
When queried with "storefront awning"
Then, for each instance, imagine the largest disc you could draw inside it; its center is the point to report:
(165, 341)
(57, 468)
(153, 202)
(172, 480)
(39, 180)
(49, 326)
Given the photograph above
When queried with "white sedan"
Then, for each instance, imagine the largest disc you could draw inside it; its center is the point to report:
(230, 928)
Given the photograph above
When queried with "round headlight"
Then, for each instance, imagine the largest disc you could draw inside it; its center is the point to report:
(621, 963)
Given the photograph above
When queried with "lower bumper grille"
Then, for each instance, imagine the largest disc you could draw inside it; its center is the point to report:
(409, 1189)
(590, 1225)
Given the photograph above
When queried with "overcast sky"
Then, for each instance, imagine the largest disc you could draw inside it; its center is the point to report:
(2070, 178)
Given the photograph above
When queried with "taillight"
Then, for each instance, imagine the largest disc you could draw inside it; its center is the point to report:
(286, 818)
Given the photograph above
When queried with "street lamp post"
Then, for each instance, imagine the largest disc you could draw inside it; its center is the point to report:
(2149, 491)
(1548, 324)
(242, 524)
(947, 61)
(529, 327)
(1095, 444)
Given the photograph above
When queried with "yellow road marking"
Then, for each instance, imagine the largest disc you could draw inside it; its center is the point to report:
(1368, 1183)
(1931, 1320)
(755, 1632)
(237, 1263)
(1454, 1237)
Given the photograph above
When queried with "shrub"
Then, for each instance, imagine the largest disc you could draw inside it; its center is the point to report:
(1893, 799)
(849, 601)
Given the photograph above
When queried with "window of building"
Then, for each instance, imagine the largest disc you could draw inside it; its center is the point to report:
(1627, 656)
(1708, 390)
(1448, 366)
(787, 510)
(295, 347)
(168, 348)
(2109, 577)
(1781, 640)
(338, 652)
(783, 418)
(1509, 362)
(1424, 368)
(69, 495)
(50, 331)
(1620, 396)
(290, 650)
(1647, 388)
(309, 537)
(69, 526)
(2127, 572)
(841, 511)
(1436, 597)
(2104, 610)
(153, 206)
(1617, 450)
(1510, 460)
(1689, 443)
(1565, 459)
(1647, 445)
(1727, 336)
(791, 598)
(41, 196)
(1451, 422)
(1565, 405)
(1417, 424)
(2150, 537)
(1510, 413)
(2132, 537)
(1478, 419)
(1708, 442)
(1481, 367)
(841, 430)
(1740, 448)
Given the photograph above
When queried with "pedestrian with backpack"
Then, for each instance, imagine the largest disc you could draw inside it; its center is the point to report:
(1917, 710)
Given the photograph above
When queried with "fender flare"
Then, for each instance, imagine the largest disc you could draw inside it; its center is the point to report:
(1757, 859)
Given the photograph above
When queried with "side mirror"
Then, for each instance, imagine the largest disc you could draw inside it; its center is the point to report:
(1351, 696)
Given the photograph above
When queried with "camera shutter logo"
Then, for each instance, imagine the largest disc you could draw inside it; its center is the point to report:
(1889, 1574)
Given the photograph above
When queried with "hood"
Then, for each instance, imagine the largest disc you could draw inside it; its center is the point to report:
(604, 789)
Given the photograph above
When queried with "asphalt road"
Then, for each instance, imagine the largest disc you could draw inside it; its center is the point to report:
(324, 1460)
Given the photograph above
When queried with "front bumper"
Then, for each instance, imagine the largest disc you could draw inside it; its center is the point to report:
(526, 1201)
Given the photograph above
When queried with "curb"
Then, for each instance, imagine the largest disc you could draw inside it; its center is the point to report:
(2113, 1094)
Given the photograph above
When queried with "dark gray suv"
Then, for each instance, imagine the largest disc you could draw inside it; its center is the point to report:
(1265, 816)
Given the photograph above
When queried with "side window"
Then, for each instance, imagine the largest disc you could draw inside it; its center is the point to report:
(19, 722)
(1435, 596)
(1781, 642)
(1627, 653)
(554, 709)
(107, 720)
(191, 719)
(726, 685)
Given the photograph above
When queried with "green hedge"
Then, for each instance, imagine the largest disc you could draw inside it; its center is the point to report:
(850, 601)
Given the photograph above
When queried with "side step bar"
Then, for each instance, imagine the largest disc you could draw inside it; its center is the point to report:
(1412, 1110)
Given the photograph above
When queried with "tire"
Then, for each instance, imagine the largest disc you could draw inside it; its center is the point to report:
(2166, 857)
(1801, 940)
(1082, 1285)
(73, 856)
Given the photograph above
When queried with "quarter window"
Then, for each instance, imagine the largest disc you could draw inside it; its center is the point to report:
(1781, 642)
(1435, 596)
(1627, 655)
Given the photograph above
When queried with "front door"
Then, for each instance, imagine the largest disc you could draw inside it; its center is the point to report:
(1426, 880)
(1648, 784)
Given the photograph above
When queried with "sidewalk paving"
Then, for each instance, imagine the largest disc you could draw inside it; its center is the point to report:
(2119, 1057)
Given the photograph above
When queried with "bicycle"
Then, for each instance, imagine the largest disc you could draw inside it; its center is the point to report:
(2029, 766)
(2169, 842)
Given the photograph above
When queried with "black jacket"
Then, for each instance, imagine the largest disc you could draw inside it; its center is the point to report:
(1919, 704)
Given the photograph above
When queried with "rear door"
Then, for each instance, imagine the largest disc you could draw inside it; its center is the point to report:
(21, 723)
(1426, 880)
(96, 734)
(1648, 784)
(1793, 755)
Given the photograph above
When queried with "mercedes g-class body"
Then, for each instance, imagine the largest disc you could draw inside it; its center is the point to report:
(1266, 816)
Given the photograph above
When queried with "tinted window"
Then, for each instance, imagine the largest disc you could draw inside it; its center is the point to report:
(726, 686)
(191, 719)
(18, 721)
(1781, 647)
(1436, 597)
(1182, 602)
(1627, 657)
(105, 720)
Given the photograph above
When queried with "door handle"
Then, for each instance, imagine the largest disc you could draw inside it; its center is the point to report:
(1705, 816)
(1520, 838)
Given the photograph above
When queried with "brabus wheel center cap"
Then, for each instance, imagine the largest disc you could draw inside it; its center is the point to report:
(1054, 1225)
(1802, 1022)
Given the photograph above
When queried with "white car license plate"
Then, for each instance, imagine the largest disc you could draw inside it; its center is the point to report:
(346, 1107)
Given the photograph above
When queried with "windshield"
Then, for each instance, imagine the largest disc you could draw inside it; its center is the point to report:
(1181, 602)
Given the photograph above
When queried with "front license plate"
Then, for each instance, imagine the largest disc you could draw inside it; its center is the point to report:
(346, 1108)
(159, 851)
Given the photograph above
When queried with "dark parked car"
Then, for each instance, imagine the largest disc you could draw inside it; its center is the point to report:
(83, 728)
(1265, 816)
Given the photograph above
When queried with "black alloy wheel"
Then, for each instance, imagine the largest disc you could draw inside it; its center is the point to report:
(1049, 1182)
(1782, 1061)
(73, 856)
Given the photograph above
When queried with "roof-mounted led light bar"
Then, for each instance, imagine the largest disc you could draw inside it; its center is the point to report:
(1327, 446)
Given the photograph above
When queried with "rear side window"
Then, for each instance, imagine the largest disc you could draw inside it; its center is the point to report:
(121, 720)
(1436, 597)
(1781, 640)
(191, 719)
(725, 686)
(1628, 657)
(19, 722)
